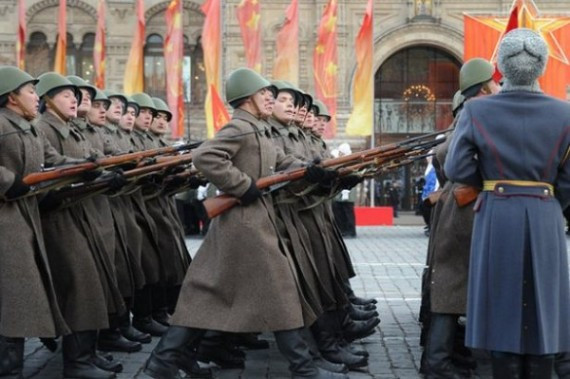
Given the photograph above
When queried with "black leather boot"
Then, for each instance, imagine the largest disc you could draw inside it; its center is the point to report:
(218, 352)
(49, 343)
(142, 313)
(319, 360)
(360, 315)
(113, 340)
(160, 305)
(130, 333)
(355, 299)
(250, 341)
(164, 360)
(78, 355)
(351, 348)
(11, 355)
(294, 348)
(538, 366)
(562, 365)
(367, 307)
(150, 326)
(439, 347)
(106, 364)
(506, 365)
(190, 366)
(354, 330)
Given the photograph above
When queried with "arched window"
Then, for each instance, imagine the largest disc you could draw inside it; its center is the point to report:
(85, 57)
(37, 54)
(154, 71)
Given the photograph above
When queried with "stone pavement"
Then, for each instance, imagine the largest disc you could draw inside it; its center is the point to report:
(389, 263)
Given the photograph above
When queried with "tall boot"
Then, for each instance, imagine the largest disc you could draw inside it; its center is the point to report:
(360, 315)
(189, 364)
(78, 354)
(164, 361)
(291, 344)
(112, 340)
(319, 360)
(506, 365)
(160, 305)
(355, 299)
(562, 365)
(439, 347)
(538, 366)
(129, 332)
(142, 313)
(11, 355)
(354, 330)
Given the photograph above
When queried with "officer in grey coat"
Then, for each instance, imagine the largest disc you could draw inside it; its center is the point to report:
(515, 146)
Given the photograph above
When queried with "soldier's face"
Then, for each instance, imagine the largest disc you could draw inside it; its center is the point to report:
(284, 110)
(269, 104)
(300, 117)
(127, 122)
(97, 113)
(159, 123)
(66, 103)
(144, 119)
(309, 121)
(320, 125)
(85, 104)
(115, 111)
(26, 101)
(259, 101)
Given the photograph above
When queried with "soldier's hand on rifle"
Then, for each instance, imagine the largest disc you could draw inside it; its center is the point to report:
(196, 182)
(92, 158)
(18, 188)
(148, 161)
(177, 181)
(320, 175)
(349, 181)
(117, 179)
(253, 193)
(91, 175)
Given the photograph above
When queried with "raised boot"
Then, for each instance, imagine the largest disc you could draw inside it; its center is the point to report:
(11, 355)
(130, 333)
(106, 364)
(354, 330)
(113, 340)
(360, 315)
(355, 299)
(439, 347)
(319, 360)
(562, 365)
(148, 325)
(506, 365)
(538, 366)
(294, 348)
(164, 360)
(78, 355)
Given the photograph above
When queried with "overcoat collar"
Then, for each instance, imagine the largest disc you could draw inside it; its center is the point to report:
(57, 124)
(16, 120)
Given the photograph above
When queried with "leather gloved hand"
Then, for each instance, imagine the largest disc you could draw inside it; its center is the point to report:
(117, 179)
(91, 175)
(177, 181)
(149, 161)
(50, 202)
(194, 182)
(349, 181)
(318, 174)
(92, 158)
(18, 188)
(252, 194)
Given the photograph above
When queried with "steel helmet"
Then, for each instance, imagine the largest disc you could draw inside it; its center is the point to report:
(12, 78)
(52, 81)
(161, 106)
(82, 84)
(243, 83)
(475, 71)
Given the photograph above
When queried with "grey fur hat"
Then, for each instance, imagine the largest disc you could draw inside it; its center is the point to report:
(522, 59)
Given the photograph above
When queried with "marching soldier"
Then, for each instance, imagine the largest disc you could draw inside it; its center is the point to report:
(518, 293)
(28, 304)
(222, 291)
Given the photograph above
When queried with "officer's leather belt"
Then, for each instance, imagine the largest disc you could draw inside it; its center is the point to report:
(519, 188)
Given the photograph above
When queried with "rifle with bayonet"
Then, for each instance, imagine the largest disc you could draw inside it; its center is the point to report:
(217, 205)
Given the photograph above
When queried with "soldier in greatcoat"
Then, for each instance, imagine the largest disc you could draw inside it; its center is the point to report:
(515, 147)
(82, 270)
(222, 289)
(450, 242)
(28, 303)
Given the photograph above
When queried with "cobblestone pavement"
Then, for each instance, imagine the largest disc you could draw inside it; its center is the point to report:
(389, 263)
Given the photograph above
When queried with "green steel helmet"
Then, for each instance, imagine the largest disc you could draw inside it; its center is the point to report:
(243, 83)
(282, 85)
(458, 100)
(12, 78)
(100, 96)
(475, 71)
(161, 106)
(51, 83)
(113, 94)
(144, 101)
(82, 84)
(132, 103)
(323, 110)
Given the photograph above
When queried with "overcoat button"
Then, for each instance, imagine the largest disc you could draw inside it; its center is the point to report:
(546, 192)
(501, 190)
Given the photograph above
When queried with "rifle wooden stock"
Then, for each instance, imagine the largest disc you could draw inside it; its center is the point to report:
(106, 162)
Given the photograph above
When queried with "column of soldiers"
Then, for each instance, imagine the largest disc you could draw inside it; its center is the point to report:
(108, 269)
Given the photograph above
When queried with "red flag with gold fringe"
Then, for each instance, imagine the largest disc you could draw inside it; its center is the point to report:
(173, 58)
(248, 14)
(286, 65)
(21, 43)
(60, 62)
(100, 46)
(134, 69)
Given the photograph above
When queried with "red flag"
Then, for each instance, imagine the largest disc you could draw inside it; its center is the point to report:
(325, 63)
(248, 15)
(134, 70)
(100, 46)
(219, 111)
(173, 58)
(21, 43)
(211, 45)
(286, 65)
(513, 24)
(61, 50)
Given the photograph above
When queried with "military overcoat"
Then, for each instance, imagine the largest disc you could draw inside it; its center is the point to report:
(28, 303)
(519, 291)
(240, 279)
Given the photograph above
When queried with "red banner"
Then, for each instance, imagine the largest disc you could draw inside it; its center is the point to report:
(133, 81)
(325, 64)
(100, 46)
(21, 42)
(248, 14)
(61, 49)
(483, 34)
(174, 60)
(219, 111)
(286, 64)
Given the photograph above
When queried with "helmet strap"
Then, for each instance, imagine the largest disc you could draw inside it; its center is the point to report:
(55, 109)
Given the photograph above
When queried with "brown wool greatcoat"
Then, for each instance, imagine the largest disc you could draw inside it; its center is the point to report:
(240, 279)
(28, 303)
(83, 274)
(449, 248)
